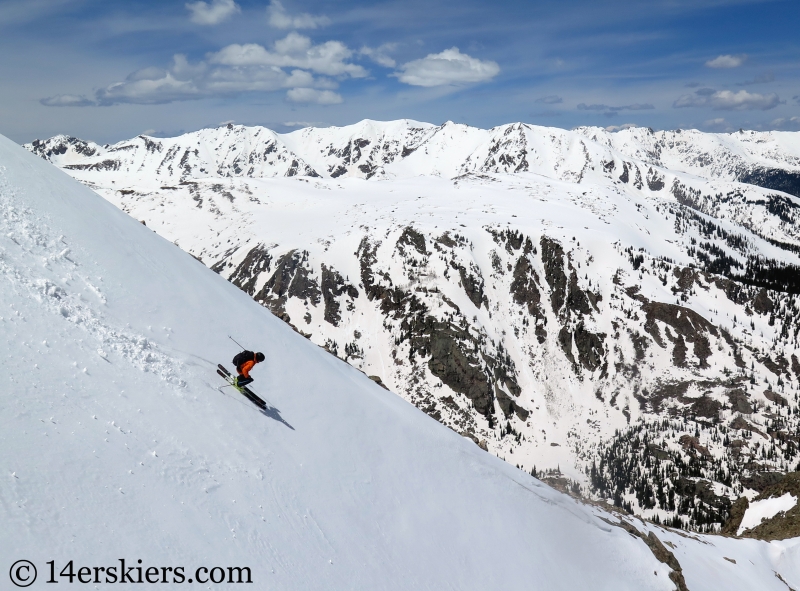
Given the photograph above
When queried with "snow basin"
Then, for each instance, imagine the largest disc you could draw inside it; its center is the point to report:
(765, 509)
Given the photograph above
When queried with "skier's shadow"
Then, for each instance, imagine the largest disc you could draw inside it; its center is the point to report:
(275, 415)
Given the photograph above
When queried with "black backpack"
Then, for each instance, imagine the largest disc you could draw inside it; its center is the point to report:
(243, 357)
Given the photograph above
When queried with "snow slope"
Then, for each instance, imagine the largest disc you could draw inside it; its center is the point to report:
(758, 511)
(115, 440)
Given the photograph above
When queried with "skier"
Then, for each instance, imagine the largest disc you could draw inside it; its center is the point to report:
(244, 362)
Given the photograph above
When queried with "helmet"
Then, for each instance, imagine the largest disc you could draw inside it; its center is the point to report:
(259, 357)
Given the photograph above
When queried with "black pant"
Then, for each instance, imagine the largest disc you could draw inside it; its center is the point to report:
(243, 381)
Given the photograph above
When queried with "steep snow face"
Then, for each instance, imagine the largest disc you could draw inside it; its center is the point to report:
(567, 302)
(117, 440)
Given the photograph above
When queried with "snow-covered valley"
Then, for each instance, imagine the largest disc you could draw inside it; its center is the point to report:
(615, 310)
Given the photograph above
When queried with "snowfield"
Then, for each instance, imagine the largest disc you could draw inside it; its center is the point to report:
(116, 439)
(759, 511)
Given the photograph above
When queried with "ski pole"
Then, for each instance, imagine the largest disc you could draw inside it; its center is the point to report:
(234, 340)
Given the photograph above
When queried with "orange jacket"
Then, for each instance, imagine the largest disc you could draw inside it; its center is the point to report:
(246, 367)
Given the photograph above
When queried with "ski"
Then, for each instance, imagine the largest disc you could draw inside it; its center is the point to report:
(244, 390)
(247, 393)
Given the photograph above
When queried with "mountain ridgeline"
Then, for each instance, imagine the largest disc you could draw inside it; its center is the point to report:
(618, 310)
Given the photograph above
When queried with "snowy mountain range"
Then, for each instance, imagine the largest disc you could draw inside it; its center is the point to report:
(616, 312)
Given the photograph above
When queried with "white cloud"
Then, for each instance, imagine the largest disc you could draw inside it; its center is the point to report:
(727, 100)
(214, 13)
(67, 100)
(295, 51)
(551, 99)
(181, 81)
(299, 78)
(293, 44)
(250, 54)
(161, 90)
(312, 95)
(726, 61)
(280, 19)
(379, 55)
(449, 67)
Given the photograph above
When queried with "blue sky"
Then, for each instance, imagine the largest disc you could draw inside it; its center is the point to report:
(109, 70)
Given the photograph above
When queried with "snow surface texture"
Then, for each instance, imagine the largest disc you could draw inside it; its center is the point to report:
(535, 289)
(757, 511)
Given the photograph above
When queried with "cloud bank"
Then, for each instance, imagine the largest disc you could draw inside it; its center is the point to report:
(309, 72)
(295, 51)
(727, 100)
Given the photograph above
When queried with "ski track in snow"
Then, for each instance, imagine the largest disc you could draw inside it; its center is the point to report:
(49, 276)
